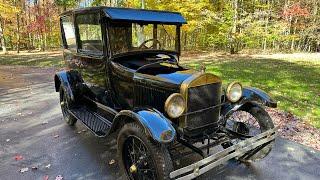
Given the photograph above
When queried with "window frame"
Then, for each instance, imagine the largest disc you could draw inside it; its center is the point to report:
(177, 42)
(62, 31)
(77, 32)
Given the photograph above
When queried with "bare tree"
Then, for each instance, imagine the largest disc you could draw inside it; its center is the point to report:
(2, 38)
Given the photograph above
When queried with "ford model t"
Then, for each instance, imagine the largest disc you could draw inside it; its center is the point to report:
(123, 76)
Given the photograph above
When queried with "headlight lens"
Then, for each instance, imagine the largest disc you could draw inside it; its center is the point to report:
(234, 91)
(175, 105)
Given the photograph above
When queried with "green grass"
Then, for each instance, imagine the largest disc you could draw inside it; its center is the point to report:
(293, 82)
(38, 59)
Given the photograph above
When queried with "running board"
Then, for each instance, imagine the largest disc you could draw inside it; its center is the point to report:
(92, 120)
(196, 169)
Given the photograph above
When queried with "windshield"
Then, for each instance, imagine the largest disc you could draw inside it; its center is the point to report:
(129, 37)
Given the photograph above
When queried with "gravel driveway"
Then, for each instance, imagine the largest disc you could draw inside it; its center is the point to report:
(34, 136)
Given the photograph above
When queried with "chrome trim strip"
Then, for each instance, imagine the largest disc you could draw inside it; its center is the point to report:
(202, 166)
(205, 109)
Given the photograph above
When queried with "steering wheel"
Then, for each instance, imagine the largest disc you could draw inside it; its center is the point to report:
(155, 41)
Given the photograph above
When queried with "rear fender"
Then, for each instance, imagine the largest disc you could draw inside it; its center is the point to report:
(154, 123)
(68, 80)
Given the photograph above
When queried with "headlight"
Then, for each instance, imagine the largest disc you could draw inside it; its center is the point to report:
(175, 105)
(234, 91)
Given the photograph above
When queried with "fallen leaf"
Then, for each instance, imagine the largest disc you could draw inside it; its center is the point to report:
(7, 140)
(56, 136)
(84, 130)
(48, 166)
(112, 161)
(59, 177)
(44, 122)
(79, 132)
(24, 170)
(18, 157)
(46, 177)
(34, 168)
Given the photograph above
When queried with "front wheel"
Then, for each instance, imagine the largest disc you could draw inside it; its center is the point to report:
(65, 107)
(140, 157)
(249, 121)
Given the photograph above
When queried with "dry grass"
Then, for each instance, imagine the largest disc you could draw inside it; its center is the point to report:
(36, 58)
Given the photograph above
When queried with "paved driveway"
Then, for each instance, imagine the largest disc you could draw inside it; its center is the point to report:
(31, 125)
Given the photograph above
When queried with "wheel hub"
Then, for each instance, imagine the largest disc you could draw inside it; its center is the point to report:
(133, 168)
(241, 128)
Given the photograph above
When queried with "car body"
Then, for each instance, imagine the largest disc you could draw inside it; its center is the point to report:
(114, 82)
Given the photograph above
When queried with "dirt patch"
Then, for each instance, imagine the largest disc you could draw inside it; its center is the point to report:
(8, 80)
(294, 129)
(12, 77)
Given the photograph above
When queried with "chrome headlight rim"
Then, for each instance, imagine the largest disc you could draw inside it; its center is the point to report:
(229, 88)
(170, 100)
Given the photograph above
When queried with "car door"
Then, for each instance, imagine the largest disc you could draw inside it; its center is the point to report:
(89, 60)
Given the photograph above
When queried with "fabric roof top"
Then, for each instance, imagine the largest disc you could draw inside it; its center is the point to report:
(141, 15)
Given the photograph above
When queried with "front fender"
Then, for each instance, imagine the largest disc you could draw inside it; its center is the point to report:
(250, 96)
(155, 124)
(258, 96)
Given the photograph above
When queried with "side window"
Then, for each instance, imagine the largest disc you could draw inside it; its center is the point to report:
(69, 33)
(90, 35)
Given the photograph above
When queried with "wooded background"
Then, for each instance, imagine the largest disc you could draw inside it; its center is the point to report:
(227, 25)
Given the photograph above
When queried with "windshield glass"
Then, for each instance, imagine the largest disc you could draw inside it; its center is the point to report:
(129, 37)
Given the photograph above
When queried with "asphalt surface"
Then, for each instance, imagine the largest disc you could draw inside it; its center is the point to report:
(31, 126)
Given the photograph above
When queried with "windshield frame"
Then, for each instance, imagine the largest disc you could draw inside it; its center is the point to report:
(177, 50)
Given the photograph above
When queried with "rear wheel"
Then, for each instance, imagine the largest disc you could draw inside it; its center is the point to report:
(250, 121)
(65, 107)
(140, 157)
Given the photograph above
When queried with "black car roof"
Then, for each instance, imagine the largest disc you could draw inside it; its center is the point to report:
(135, 15)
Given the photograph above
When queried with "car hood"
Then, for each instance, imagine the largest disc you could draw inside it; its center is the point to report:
(163, 79)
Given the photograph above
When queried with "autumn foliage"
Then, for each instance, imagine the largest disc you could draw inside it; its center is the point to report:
(228, 25)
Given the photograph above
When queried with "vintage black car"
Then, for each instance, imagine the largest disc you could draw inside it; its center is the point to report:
(123, 76)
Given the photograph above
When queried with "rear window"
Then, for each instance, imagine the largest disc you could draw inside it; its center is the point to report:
(90, 35)
(69, 33)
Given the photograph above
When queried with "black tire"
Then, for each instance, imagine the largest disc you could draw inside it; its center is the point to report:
(153, 155)
(65, 106)
(264, 123)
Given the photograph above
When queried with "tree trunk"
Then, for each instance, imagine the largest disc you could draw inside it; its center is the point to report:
(29, 34)
(266, 26)
(140, 29)
(294, 32)
(42, 40)
(315, 12)
(18, 33)
(185, 40)
(2, 38)
(234, 27)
